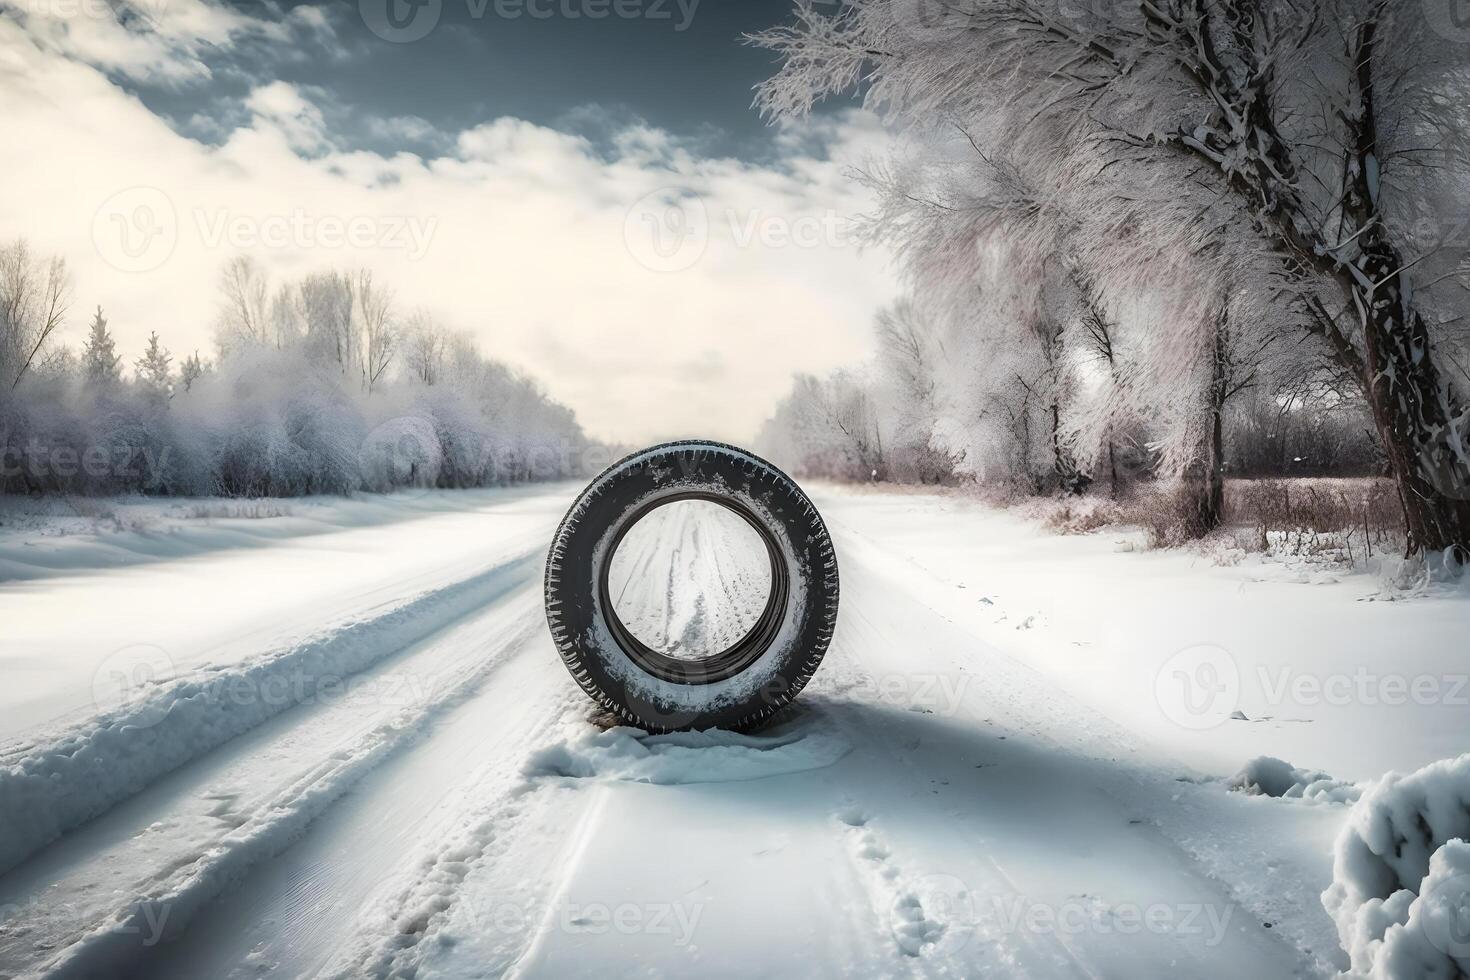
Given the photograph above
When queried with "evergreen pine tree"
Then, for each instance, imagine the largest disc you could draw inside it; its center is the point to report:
(154, 372)
(99, 355)
(191, 370)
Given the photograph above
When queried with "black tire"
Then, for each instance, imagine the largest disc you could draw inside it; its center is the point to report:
(739, 687)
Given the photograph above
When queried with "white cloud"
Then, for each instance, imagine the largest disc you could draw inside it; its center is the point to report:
(545, 250)
(145, 40)
(411, 129)
(281, 107)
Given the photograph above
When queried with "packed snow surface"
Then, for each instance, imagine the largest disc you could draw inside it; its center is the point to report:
(716, 576)
(338, 742)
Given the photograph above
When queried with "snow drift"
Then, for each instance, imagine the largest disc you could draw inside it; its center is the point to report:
(1268, 776)
(1400, 892)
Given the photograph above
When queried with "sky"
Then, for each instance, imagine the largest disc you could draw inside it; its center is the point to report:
(582, 185)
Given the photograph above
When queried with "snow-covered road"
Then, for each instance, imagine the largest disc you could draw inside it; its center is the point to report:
(356, 753)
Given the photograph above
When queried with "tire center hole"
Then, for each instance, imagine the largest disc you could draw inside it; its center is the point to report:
(690, 579)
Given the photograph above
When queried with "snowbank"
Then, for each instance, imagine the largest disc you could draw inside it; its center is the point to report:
(110, 947)
(57, 782)
(1269, 776)
(46, 536)
(1400, 894)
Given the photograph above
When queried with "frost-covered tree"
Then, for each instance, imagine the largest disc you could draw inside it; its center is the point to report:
(34, 295)
(301, 398)
(154, 371)
(244, 318)
(373, 308)
(911, 355)
(1177, 123)
(191, 370)
(100, 361)
(828, 427)
(425, 343)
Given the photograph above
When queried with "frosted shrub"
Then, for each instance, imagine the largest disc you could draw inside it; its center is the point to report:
(282, 420)
(402, 452)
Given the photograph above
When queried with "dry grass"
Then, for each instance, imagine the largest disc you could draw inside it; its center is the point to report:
(1336, 520)
(1165, 514)
(1351, 518)
(1082, 515)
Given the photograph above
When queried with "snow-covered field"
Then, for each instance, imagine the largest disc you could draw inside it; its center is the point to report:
(338, 742)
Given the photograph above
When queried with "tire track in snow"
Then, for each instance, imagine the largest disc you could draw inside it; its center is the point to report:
(1067, 777)
(112, 947)
(428, 890)
(53, 784)
(171, 823)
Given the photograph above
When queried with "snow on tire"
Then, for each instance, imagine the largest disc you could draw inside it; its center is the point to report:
(740, 686)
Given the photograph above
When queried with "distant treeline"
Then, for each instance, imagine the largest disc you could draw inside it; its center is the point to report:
(314, 386)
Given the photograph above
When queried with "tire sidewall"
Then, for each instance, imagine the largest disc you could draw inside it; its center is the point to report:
(598, 518)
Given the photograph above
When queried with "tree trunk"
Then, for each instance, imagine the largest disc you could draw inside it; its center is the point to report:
(1069, 477)
(1416, 410)
(1416, 413)
(1214, 511)
(1204, 481)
